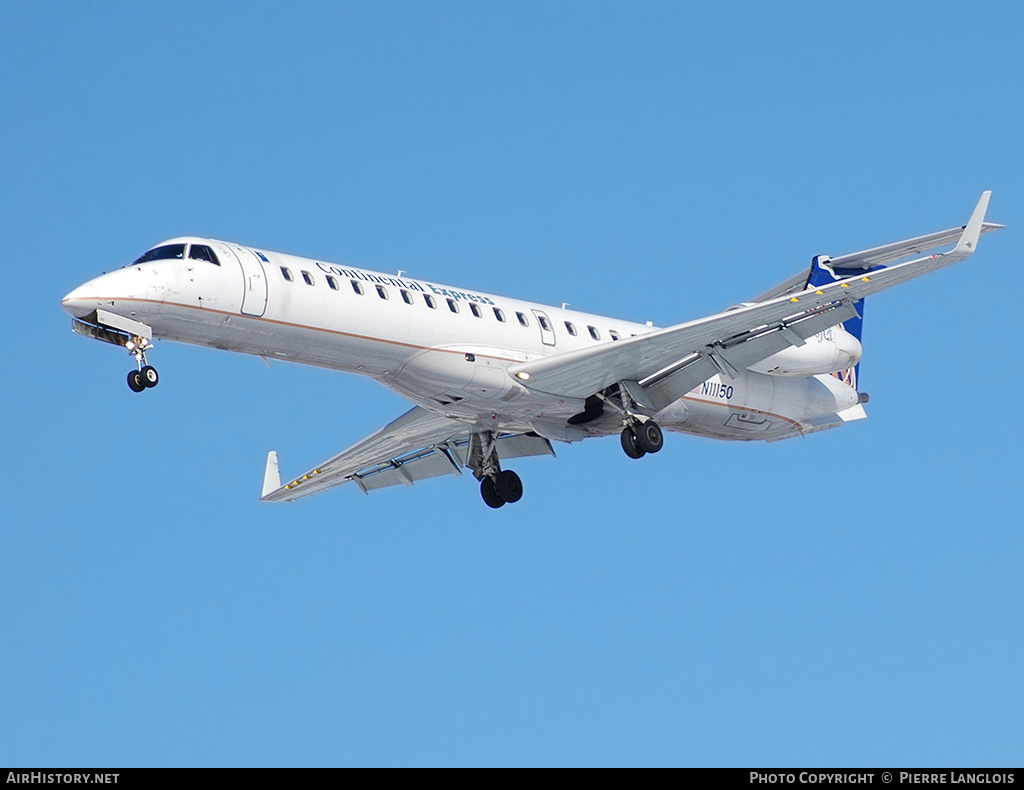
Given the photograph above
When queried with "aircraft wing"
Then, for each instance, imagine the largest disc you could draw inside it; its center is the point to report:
(877, 256)
(668, 363)
(417, 446)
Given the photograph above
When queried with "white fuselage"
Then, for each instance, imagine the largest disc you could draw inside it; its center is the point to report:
(447, 349)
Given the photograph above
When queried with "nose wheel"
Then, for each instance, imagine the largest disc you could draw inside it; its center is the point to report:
(146, 375)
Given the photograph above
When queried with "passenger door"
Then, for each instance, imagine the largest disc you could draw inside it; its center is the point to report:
(254, 277)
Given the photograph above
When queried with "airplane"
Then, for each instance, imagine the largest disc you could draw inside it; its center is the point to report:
(494, 378)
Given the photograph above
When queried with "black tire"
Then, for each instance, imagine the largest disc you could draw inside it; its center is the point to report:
(149, 376)
(630, 444)
(135, 381)
(509, 486)
(490, 494)
(649, 437)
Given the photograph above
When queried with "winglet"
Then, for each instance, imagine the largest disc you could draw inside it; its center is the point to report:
(272, 477)
(969, 238)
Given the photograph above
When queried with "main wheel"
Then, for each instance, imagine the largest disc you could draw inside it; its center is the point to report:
(649, 437)
(136, 382)
(490, 494)
(631, 445)
(509, 486)
(149, 376)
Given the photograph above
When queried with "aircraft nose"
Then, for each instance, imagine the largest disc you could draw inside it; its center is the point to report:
(104, 291)
(82, 300)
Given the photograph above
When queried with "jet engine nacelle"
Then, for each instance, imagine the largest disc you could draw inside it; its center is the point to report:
(826, 352)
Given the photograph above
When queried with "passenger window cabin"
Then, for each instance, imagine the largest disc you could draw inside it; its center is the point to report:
(357, 287)
(382, 292)
(613, 334)
(499, 315)
(453, 305)
(594, 333)
(474, 309)
(570, 328)
(429, 300)
(332, 283)
(287, 273)
(406, 297)
(307, 277)
(523, 319)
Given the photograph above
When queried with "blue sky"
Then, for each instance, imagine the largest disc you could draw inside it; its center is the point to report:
(852, 598)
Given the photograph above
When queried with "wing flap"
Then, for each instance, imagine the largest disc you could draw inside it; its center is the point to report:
(383, 478)
(521, 445)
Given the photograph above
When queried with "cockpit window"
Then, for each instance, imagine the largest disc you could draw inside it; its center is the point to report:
(165, 253)
(200, 252)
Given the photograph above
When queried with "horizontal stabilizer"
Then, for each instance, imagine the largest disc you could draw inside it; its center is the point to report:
(855, 412)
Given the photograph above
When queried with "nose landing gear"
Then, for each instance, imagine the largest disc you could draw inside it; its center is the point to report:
(146, 375)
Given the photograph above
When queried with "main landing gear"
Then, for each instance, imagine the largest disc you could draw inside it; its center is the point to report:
(145, 376)
(640, 435)
(501, 488)
(642, 438)
(497, 487)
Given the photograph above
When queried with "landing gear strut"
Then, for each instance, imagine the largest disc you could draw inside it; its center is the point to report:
(145, 376)
(497, 487)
